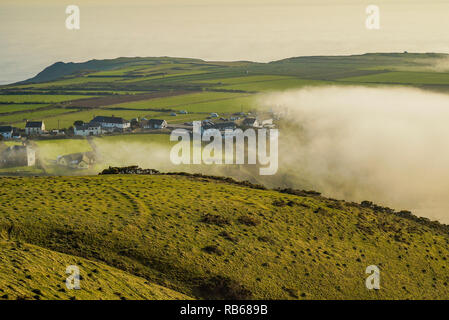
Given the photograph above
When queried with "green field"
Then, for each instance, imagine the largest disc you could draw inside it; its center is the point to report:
(177, 102)
(242, 103)
(415, 78)
(19, 119)
(7, 108)
(262, 83)
(69, 82)
(41, 98)
(274, 85)
(210, 239)
(204, 102)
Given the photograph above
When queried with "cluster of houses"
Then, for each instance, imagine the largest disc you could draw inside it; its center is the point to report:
(101, 124)
(31, 128)
(25, 155)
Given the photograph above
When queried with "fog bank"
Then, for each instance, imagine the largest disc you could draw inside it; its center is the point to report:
(388, 145)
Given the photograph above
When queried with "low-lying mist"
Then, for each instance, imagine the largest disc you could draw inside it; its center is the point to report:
(388, 145)
(428, 64)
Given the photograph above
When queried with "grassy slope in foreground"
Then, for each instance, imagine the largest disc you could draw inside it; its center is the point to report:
(211, 239)
(30, 272)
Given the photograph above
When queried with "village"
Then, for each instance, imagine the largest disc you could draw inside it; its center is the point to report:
(24, 152)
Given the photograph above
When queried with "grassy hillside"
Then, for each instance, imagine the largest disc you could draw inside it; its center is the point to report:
(31, 272)
(213, 239)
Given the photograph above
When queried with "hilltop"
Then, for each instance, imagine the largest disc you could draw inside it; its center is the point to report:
(211, 238)
(61, 69)
(310, 67)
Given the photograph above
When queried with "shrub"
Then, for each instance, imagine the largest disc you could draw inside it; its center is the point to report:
(249, 220)
(213, 250)
(229, 237)
(219, 288)
(265, 239)
(215, 219)
(282, 203)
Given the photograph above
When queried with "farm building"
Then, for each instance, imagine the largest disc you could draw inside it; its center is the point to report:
(6, 132)
(18, 156)
(134, 123)
(221, 125)
(251, 122)
(112, 123)
(82, 160)
(16, 133)
(34, 127)
(88, 129)
(153, 124)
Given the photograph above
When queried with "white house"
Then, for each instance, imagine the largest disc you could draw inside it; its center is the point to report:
(6, 132)
(88, 129)
(34, 127)
(154, 124)
(112, 123)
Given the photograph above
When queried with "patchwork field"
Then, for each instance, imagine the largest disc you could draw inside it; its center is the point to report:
(136, 87)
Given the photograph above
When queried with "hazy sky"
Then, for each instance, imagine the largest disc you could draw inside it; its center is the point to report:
(33, 35)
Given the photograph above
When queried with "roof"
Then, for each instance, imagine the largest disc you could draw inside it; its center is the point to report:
(5, 129)
(249, 121)
(34, 124)
(116, 120)
(223, 125)
(86, 126)
(78, 157)
(152, 122)
(156, 121)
